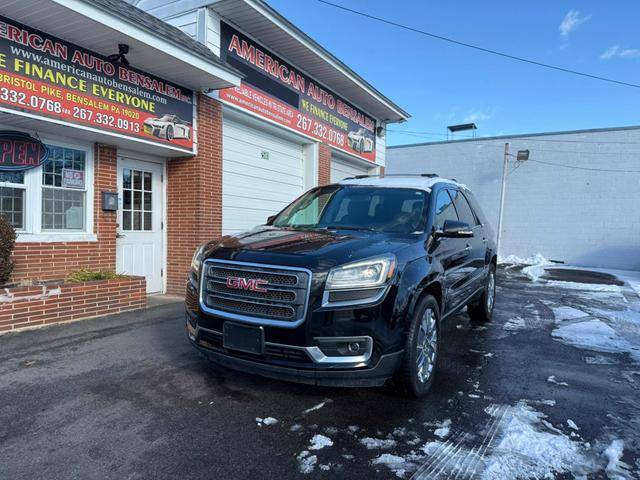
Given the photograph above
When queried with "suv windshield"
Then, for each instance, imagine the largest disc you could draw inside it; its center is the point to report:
(393, 210)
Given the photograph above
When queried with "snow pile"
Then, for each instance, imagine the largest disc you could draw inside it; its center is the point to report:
(535, 264)
(526, 451)
(615, 467)
(373, 443)
(443, 430)
(306, 462)
(318, 442)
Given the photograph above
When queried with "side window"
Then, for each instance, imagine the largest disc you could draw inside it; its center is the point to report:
(444, 209)
(464, 210)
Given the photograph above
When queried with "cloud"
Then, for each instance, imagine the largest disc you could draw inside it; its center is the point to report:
(477, 116)
(618, 51)
(571, 21)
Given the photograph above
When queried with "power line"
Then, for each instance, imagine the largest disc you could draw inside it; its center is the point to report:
(482, 49)
(573, 167)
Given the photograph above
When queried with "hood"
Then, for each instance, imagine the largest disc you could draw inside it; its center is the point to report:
(315, 249)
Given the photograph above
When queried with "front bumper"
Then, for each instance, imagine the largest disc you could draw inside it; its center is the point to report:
(279, 362)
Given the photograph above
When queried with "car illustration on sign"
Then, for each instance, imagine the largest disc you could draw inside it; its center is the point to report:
(168, 127)
(360, 141)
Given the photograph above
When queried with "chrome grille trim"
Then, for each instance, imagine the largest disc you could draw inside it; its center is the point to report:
(279, 284)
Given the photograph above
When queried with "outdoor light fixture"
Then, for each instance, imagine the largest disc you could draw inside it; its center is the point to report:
(109, 201)
(522, 155)
(119, 57)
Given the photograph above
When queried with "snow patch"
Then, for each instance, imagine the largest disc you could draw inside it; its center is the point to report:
(396, 464)
(572, 424)
(374, 443)
(444, 428)
(318, 442)
(316, 407)
(306, 462)
(553, 379)
(590, 287)
(516, 323)
(266, 421)
(596, 335)
(614, 453)
(568, 313)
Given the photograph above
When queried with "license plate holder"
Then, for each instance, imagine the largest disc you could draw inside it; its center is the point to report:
(243, 338)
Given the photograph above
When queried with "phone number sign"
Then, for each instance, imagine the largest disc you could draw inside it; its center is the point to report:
(54, 79)
(274, 89)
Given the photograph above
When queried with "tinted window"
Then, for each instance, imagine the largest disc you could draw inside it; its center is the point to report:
(396, 210)
(476, 207)
(444, 209)
(462, 207)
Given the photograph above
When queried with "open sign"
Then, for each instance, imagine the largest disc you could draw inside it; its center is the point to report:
(21, 151)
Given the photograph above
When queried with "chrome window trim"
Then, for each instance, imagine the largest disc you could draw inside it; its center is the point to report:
(245, 318)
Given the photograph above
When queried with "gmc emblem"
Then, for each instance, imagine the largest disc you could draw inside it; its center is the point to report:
(251, 284)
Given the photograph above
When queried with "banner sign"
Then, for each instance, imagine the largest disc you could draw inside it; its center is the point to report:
(51, 78)
(274, 89)
(21, 151)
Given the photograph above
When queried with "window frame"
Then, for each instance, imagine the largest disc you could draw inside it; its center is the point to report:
(33, 185)
(23, 187)
(460, 194)
(444, 190)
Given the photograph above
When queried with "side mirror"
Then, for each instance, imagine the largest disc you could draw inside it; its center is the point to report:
(270, 219)
(455, 229)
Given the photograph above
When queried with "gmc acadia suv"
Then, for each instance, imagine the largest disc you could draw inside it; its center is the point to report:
(348, 285)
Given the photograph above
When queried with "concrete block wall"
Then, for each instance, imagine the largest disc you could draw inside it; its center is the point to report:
(582, 217)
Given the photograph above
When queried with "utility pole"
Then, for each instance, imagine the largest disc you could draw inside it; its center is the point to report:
(505, 171)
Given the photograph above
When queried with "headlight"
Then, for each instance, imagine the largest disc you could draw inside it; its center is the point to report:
(369, 273)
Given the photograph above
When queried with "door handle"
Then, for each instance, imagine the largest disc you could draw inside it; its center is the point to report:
(484, 240)
(119, 235)
(468, 247)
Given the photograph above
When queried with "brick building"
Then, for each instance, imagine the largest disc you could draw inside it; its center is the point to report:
(153, 128)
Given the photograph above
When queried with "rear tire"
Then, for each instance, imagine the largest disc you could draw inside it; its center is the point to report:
(421, 355)
(482, 310)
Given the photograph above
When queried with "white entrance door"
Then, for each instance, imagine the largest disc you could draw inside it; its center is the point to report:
(139, 241)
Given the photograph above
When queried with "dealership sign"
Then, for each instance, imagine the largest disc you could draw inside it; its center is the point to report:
(53, 79)
(21, 151)
(278, 91)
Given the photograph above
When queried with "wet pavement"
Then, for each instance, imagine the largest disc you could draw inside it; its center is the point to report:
(550, 388)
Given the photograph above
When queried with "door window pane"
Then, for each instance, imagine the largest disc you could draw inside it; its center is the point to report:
(462, 207)
(137, 200)
(444, 209)
(12, 206)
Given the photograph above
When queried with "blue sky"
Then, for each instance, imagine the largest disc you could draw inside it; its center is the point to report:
(441, 84)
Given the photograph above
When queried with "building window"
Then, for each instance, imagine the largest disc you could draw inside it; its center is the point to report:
(64, 190)
(12, 195)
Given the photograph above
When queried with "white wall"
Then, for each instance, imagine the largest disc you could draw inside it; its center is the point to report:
(584, 218)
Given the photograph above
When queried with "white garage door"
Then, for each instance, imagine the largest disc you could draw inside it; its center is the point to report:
(341, 169)
(254, 186)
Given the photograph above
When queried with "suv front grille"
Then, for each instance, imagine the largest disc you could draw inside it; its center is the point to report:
(280, 295)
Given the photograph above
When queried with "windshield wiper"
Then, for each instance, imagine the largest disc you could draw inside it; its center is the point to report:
(349, 227)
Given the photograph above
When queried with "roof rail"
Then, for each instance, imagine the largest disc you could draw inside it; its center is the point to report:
(428, 175)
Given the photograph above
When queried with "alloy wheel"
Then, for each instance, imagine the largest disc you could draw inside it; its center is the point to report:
(427, 347)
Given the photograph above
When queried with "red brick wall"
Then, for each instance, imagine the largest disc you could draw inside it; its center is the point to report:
(194, 195)
(46, 261)
(324, 164)
(32, 306)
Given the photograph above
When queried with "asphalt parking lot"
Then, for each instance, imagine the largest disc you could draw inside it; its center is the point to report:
(550, 388)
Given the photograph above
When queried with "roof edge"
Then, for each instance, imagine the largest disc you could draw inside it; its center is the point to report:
(519, 135)
(261, 4)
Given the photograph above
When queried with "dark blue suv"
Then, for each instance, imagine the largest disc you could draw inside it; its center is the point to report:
(348, 285)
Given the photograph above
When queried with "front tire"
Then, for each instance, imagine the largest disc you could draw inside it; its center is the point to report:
(421, 358)
(482, 310)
